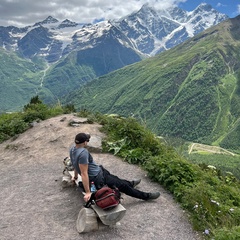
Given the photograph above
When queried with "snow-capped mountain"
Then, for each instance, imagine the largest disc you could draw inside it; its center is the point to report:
(153, 31)
(147, 31)
(47, 38)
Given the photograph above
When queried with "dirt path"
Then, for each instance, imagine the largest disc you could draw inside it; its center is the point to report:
(35, 206)
(198, 147)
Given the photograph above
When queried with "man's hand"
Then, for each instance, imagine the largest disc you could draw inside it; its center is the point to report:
(75, 175)
(87, 196)
(73, 179)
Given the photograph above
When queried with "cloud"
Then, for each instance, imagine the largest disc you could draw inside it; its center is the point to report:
(220, 5)
(28, 12)
(238, 9)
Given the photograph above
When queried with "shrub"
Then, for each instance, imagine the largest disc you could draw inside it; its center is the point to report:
(227, 233)
(10, 125)
(172, 172)
(129, 140)
(16, 123)
(69, 108)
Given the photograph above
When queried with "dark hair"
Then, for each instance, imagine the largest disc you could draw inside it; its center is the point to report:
(82, 137)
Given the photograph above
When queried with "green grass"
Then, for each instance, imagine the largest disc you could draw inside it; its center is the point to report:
(225, 163)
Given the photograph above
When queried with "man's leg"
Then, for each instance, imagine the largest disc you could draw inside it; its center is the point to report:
(125, 186)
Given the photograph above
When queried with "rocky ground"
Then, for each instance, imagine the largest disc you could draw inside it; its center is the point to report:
(34, 205)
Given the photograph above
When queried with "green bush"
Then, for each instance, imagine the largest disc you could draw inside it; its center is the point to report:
(172, 172)
(227, 233)
(129, 140)
(69, 108)
(16, 123)
(10, 125)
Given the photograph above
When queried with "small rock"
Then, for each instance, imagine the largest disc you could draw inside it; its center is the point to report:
(63, 119)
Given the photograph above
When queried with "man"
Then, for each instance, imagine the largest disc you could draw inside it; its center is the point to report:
(89, 170)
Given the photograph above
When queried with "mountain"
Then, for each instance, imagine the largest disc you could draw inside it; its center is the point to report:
(84, 63)
(76, 53)
(148, 31)
(153, 31)
(191, 91)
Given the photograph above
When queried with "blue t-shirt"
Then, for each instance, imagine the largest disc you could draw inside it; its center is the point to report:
(82, 156)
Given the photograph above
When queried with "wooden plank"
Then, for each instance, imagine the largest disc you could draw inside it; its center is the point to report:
(112, 216)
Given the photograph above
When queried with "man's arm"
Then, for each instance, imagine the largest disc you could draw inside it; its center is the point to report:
(85, 180)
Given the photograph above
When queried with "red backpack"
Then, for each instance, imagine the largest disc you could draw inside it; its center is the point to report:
(105, 198)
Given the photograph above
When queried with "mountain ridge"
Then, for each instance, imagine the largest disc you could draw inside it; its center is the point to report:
(147, 17)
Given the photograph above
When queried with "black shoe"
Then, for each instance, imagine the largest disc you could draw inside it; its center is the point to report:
(136, 182)
(154, 195)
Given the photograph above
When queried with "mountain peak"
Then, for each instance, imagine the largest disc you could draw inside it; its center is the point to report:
(146, 5)
(48, 20)
(204, 7)
(67, 23)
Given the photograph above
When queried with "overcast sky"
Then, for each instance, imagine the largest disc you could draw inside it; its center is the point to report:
(27, 12)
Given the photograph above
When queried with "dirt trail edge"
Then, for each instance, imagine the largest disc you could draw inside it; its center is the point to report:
(35, 206)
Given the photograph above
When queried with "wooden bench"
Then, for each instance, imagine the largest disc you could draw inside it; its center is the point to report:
(94, 218)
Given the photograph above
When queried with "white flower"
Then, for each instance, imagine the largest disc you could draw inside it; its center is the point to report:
(212, 167)
(213, 201)
(196, 206)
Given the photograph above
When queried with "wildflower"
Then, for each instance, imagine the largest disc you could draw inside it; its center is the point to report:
(217, 203)
(212, 167)
(206, 232)
(231, 209)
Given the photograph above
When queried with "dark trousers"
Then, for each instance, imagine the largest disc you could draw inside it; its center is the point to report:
(124, 186)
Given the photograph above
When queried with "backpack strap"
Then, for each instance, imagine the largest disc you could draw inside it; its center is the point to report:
(90, 201)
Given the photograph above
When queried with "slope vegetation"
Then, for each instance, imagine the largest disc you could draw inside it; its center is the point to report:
(191, 91)
(19, 80)
(83, 65)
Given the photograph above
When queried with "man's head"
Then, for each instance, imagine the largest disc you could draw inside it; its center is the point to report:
(82, 137)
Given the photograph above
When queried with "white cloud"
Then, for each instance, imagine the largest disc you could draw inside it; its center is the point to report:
(28, 12)
(219, 4)
(238, 9)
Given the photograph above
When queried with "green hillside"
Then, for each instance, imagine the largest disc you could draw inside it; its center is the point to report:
(191, 91)
(83, 65)
(19, 80)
